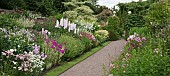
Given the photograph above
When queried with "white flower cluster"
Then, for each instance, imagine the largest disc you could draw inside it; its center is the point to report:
(66, 24)
(36, 61)
(26, 22)
(18, 33)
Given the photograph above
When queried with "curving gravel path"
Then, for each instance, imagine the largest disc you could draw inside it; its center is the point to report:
(93, 65)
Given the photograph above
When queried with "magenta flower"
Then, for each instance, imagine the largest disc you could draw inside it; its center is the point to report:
(62, 51)
(132, 44)
(52, 46)
(60, 46)
(57, 49)
(54, 43)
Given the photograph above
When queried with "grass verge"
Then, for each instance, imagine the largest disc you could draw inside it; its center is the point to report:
(58, 70)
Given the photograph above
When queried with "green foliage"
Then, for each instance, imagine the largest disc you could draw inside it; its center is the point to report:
(12, 4)
(114, 28)
(70, 14)
(147, 59)
(45, 7)
(70, 6)
(84, 10)
(88, 43)
(74, 47)
(134, 20)
(6, 21)
(113, 36)
(104, 15)
(144, 31)
(158, 15)
(95, 8)
(48, 24)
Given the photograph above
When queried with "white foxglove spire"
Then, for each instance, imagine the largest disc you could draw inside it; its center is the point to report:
(74, 31)
(61, 22)
(57, 24)
(65, 23)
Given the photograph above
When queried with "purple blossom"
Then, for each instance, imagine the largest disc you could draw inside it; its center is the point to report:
(138, 39)
(52, 46)
(47, 41)
(54, 43)
(60, 46)
(62, 51)
(36, 49)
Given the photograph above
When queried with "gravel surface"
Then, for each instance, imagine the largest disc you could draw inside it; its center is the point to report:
(93, 65)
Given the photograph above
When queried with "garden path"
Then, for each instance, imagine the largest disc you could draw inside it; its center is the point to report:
(93, 65)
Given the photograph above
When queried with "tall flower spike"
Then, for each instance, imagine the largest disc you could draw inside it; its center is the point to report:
(57, 24)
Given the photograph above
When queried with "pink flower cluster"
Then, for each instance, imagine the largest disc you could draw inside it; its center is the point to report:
(9, 53)
(135, 41)
(87, 35)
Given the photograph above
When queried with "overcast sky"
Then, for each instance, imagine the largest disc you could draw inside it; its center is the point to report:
(111, 3)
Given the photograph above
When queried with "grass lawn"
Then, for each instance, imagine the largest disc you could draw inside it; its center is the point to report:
(66, 66)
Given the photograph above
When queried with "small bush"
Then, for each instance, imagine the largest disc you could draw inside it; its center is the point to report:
(74, 47)
(88, 43)
(113, 35)
(101, 35)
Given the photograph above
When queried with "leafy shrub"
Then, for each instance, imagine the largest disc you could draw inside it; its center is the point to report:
(144, 31)
(7, 22)
(113, 35)
(88, 43)
(158, 16)
(114, 28)
(74, 47)
(101, 35)
(134, 20)
(46, 23)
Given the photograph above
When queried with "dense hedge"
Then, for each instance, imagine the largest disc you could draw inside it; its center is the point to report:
(45, 7)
